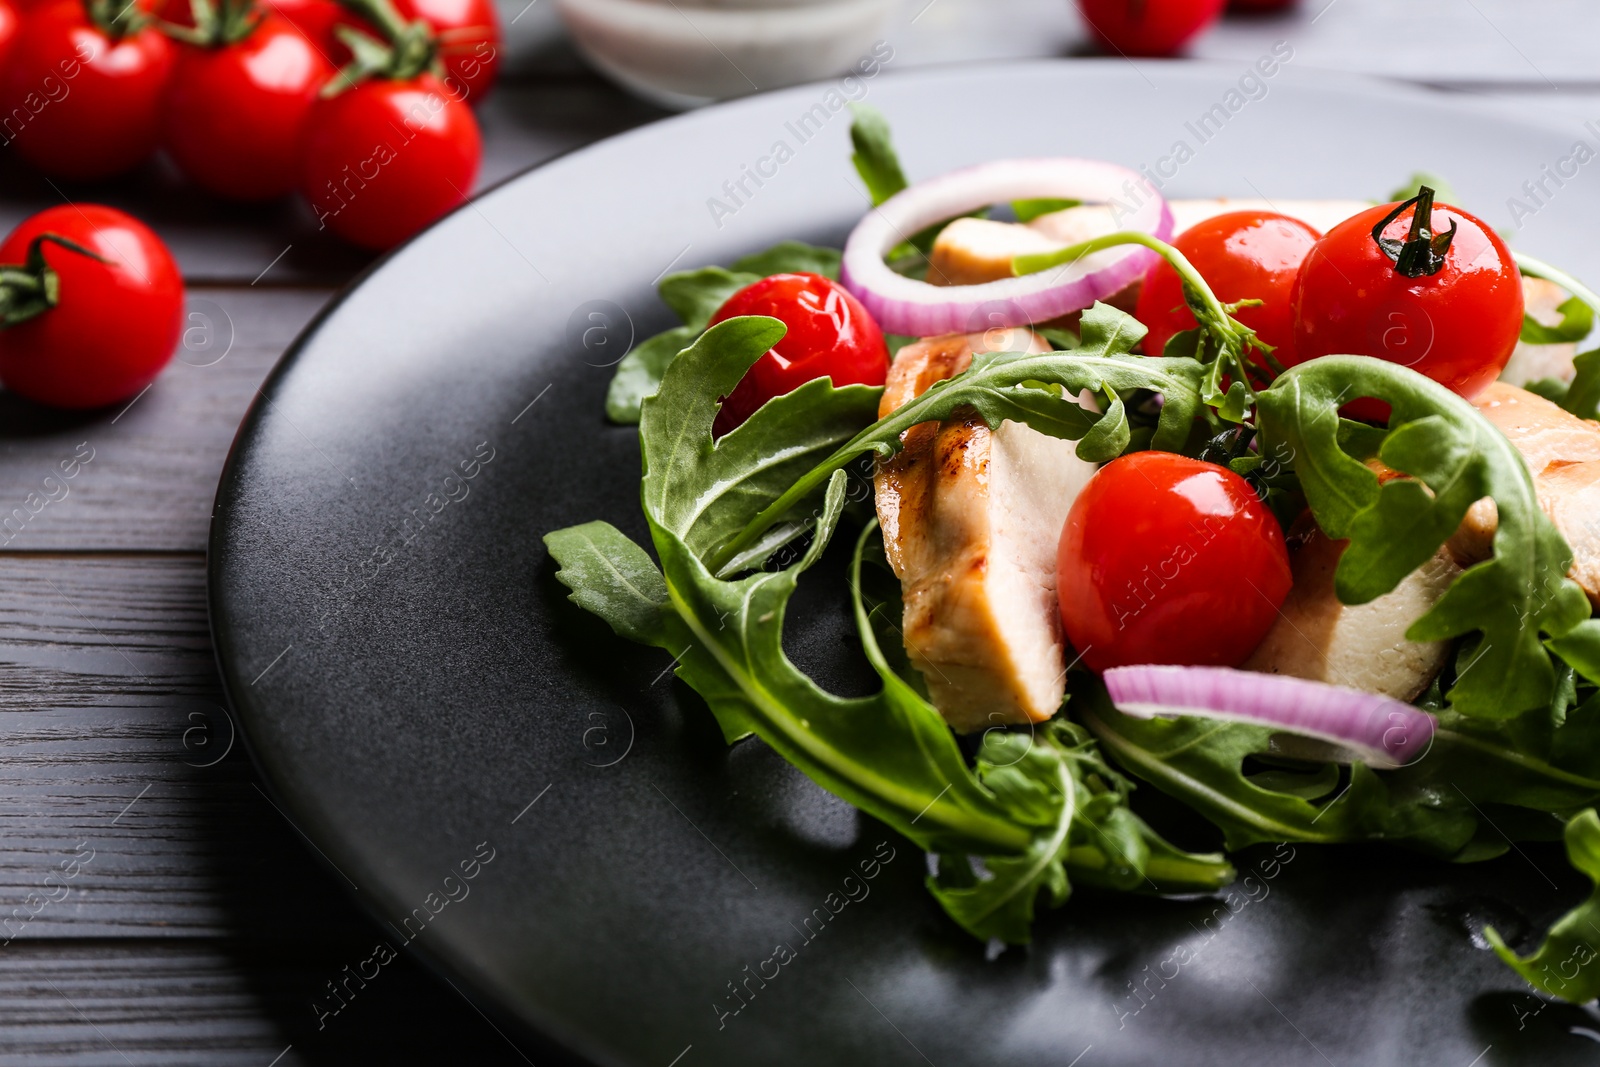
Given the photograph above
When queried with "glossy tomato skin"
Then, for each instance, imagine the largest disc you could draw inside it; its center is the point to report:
(316, 20)
(236, 114)
(1458, 326)
(386, 158)
(1240, 254)
(117, 323)
(93, 105)
(1166, 559)
(1147, 27)
(830, 336)
(10, 26)
(469, 41)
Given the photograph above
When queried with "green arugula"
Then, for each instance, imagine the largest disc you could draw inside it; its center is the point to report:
(875, 158)
(1034, 815)
(1577, 320)
(1455, 458)
(695, 295)
(1443, 191)
(1564, 964)
(1026, 387)
(1028, 210)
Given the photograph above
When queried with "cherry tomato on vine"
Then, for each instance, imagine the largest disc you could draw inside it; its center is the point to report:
(384, 159)
(1166, 559)
(10, 25)
(1147, 27)
(469, 41)
(830, 335)
(116, 320)
(1240, 254)
(236, 114)
(316, 20)
(93, 99)
(1438, 293)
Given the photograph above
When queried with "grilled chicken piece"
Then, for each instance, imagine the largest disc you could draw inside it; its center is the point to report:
(971, 518)
(1361, 646)
(1530, 363)
(1563, 452)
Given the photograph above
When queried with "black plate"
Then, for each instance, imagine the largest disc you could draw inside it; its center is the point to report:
(420, 695)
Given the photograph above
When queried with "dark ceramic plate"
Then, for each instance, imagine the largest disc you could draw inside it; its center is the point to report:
(544, 813)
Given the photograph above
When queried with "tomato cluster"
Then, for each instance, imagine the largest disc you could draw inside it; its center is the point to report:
(253, 104)
(1159, 547)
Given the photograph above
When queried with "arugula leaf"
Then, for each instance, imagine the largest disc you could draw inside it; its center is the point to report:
(1455, 458)
(792, 257)
(1028, 210)
(1565, 964)
(638, 375)
(1582, 397)
(1036, 388)
(1577, 320)
(890, 754)
(695, 295)
(875, 158)
(1443, 191)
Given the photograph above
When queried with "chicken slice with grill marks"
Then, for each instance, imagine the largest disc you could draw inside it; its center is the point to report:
(971, 518)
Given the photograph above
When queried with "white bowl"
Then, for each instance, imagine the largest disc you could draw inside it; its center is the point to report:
(685, 53)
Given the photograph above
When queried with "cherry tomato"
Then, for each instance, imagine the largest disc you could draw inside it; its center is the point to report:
(1147, 27)
(1257, 7)
(386, 158)
(469, 41)
(1457, 325)
(830, 336)
(236, 114)
(316, 20)
(10, 24)
(1165, 559)
(116, 323)
(93, 104)
(1240, 254)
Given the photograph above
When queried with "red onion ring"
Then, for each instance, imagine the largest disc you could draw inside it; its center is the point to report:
(1378, 730)
(906, 306)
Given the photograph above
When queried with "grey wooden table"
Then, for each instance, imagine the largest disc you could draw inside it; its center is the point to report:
(154, 907)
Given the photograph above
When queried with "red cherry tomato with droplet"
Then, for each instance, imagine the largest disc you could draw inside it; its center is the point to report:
(469, 41)
(1240, 254)
(386, 158)
(10, 25)
(116, 323)
(830, 336)
(93, 105)
(1166, 559)
(1147, 27)
(1457, 325)
(236, 115)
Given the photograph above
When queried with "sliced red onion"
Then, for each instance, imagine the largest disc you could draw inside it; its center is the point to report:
(1377, 730)
(906, 306)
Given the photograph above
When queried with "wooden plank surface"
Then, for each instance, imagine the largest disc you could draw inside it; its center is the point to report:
(154, 907)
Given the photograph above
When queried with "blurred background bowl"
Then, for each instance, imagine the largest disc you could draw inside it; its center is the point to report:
(684, 53)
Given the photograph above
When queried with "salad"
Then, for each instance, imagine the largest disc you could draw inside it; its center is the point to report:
(1285, 510)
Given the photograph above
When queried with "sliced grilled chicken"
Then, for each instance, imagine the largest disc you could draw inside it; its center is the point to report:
(1530, 363)
(971, 518)
(1563, 453)
(1362, 646)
